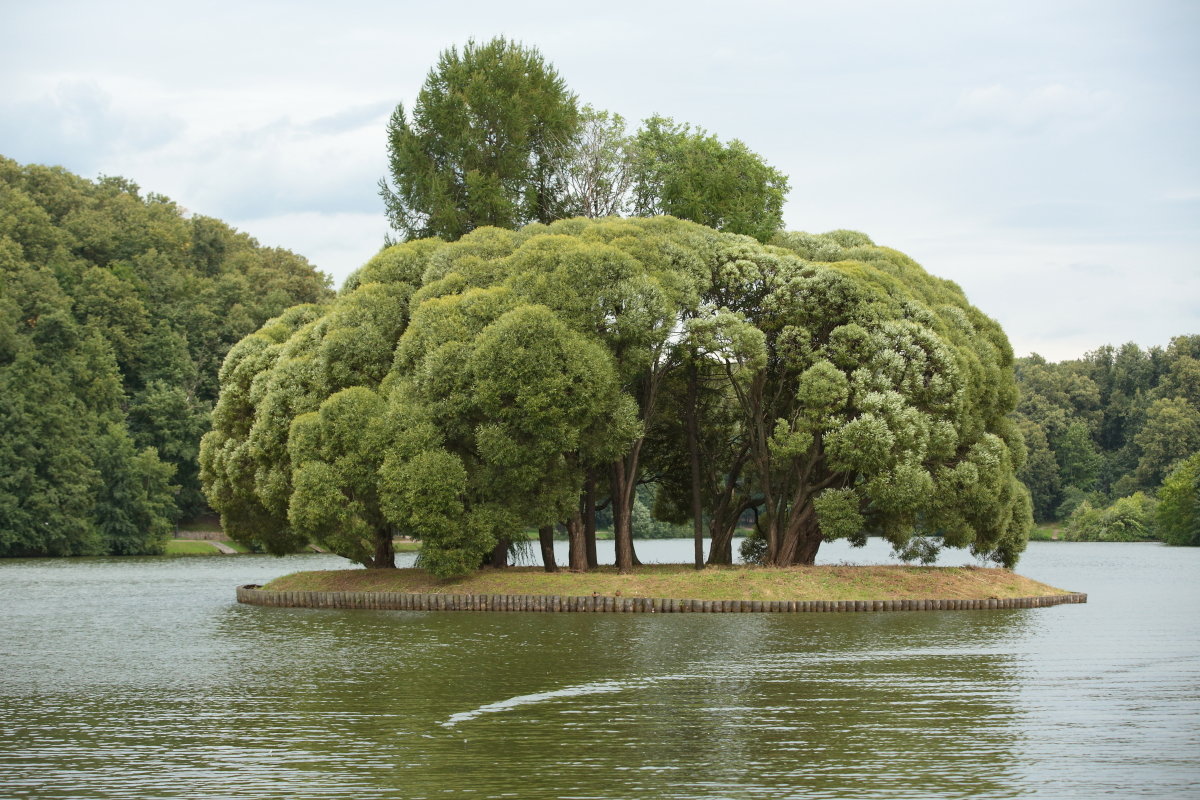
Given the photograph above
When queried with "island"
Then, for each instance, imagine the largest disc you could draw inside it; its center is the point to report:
(665, 588)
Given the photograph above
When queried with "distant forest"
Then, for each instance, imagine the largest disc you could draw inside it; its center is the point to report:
(1103, 434)
(116, 311)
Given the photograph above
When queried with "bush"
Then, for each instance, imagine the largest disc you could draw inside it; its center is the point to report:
(754, 549)
(1178, 515)
(1129, 519)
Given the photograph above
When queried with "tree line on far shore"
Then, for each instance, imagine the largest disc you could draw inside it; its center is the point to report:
(1114, 442)
(116, 310)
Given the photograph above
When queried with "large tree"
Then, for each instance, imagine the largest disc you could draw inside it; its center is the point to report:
(483, 146)
(467, 392)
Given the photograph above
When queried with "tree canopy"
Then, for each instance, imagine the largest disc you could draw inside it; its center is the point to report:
(116, 310)
(690, 174)
(487, 130)
(496, 138)
(466, 392)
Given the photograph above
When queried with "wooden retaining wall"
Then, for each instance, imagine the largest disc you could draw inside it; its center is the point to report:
(397, 601)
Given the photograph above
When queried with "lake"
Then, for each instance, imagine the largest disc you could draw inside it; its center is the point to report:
(141, 677)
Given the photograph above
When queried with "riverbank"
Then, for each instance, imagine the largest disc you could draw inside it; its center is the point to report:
(819, 583)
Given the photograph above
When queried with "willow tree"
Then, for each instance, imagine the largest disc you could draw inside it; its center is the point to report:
(463, 393)
(875, 400)
(291, 368)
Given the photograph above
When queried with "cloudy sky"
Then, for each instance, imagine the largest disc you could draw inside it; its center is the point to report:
(1045, 155)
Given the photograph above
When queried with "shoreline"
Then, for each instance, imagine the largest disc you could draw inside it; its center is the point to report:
(665, 588)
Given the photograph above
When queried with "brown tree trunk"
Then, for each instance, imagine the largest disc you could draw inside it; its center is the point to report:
(500, 553)
(720, 546)
(622, 524)
(546, 540)
(800, 540)
(694, 457)
(589, 520)
(577, 553)
(385, 553)
(806, 553)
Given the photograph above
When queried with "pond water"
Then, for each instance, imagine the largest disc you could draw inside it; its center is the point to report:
(140, 678)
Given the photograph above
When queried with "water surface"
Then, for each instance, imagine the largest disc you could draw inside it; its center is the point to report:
(143, 678)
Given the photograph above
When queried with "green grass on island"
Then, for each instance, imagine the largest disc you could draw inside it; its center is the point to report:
(682, 581)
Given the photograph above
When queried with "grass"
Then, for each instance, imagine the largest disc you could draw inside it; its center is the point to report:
(176, 547)
(681, 581)
(187, 547)
(1045, 533)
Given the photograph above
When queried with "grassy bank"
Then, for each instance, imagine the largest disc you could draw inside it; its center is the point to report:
(683, 582)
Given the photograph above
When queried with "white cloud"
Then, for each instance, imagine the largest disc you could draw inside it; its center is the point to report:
(80, 118)
(1036, 110)
(337, 244)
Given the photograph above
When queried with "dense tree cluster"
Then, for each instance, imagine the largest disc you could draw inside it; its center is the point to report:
(496, 138)
(116, 311)
(1107, 426)
(466, 392)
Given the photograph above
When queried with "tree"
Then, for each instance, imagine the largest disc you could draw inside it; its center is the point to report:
(1171, 434)
(1078, 458)
(596, 171)
(465, 392)
(690, 174)
(118, 310)
(1178, 514)
(483, 147)
(874, 399)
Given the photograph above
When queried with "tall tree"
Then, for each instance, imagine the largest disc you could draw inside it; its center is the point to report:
(488, 130)
(691, 174)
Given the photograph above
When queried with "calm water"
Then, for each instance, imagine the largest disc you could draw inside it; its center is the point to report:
(143, 678)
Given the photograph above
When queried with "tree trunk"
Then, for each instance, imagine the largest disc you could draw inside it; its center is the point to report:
(694, 457)
(800, 539)
(622, 522)
(806, 553)
(546, 540)
(500, 553)
(577, 555)
(385, 553)
(589, 520)
(720, 546)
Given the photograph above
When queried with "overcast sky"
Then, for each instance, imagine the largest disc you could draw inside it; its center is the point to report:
(1045, 155)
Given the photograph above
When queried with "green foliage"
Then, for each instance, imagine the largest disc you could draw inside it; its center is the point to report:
(488, 130)
(115, 312)
(495, 138)
(690, 174)
(596, 172)
(1128, 519)
(1171, 433)
(1114, 422)
(462, 392)
(1178, 516)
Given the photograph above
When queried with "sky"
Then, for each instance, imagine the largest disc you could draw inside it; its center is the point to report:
(1044, 155)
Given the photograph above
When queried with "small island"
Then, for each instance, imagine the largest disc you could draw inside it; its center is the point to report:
(665, 588)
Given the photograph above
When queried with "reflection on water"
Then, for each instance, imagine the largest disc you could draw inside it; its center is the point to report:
(142, 678)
